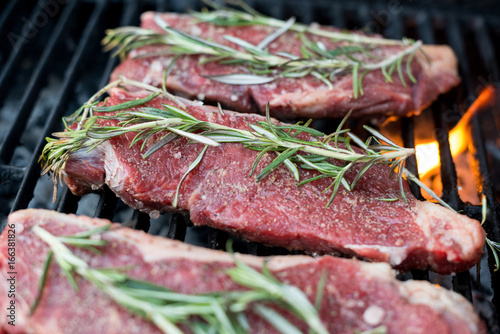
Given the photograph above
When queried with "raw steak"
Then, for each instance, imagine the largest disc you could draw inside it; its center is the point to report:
(220, 193)
(357, 296)
(298, 97)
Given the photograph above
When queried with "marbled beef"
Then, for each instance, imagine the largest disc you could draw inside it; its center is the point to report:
(298, 97)
(357, 296)
(220, 193)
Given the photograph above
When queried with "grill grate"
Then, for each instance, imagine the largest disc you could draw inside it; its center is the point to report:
(51, 61)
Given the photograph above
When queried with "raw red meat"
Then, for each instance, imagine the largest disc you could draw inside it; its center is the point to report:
(298, 97)
(357, 296)
(220, 193)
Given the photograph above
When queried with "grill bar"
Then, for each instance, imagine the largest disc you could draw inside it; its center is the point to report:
(448, 171)
(68, 202)
(140, 221)
(424, 28)
(6, 13)
(338, 18)
(407, 132)
(130, 13)
(217, 239)
(160, 6)
(18, 50)
(106, 205)
(487, 54)
(461, 282)
(178, 227)
(454, 34)
(34, 85)
(33, 170)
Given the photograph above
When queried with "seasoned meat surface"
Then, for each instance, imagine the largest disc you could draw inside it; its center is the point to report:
(290, 98)
(357, 296)
(220, 193)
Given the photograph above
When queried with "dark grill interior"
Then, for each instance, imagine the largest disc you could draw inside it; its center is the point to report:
(51, 62)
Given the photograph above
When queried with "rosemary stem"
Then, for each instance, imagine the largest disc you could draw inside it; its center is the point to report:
(354, 38)
(422, 185)
(401, 152)
(147, 87)
(329, 153)
(393, 58)
(334, 153)
(147, 125)
(301, 28)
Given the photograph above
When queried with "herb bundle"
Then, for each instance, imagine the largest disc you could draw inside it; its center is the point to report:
(220, 312)
(313, 153)
(355, 55)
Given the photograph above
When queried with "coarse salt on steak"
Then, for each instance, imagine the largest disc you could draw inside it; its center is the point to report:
(220, 193)
(356, 297)
(290, 98)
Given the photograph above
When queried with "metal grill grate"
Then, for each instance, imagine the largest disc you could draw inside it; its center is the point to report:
(50, 62)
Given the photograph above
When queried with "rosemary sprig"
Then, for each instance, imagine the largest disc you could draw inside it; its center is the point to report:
(221, 312)
(265, 136)
(243, 15)
(314, 60)
(57, 151)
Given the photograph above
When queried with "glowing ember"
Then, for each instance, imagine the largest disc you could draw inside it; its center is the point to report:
(428, 154)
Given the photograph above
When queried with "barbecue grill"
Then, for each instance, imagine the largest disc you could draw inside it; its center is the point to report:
(51, 62)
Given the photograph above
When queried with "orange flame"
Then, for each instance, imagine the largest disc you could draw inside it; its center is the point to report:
(428, 154)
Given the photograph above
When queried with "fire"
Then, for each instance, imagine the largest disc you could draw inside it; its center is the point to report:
(428, 154)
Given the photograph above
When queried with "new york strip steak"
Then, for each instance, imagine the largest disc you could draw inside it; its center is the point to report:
(290, 98)
(357, 296)
(220, 193)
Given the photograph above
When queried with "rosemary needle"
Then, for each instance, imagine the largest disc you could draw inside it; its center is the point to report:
(265, 136)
